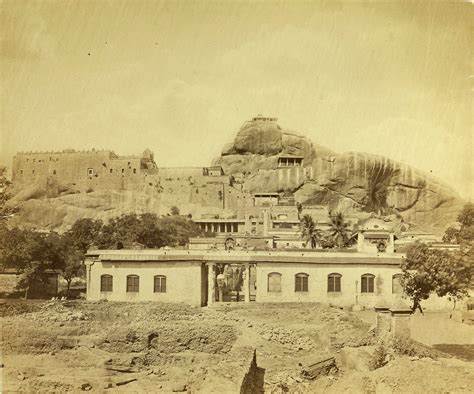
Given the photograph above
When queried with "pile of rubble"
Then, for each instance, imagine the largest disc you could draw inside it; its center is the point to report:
(284, 336)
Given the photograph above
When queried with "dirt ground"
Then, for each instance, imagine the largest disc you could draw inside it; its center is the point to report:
(60, 346)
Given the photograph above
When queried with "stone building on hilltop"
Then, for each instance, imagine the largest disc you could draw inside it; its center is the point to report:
(85, 170)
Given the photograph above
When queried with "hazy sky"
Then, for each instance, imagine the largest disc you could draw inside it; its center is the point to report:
(179, 77)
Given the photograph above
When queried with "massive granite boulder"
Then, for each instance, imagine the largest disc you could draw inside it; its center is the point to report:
(258, 145)
(359, 182)
(354, 183)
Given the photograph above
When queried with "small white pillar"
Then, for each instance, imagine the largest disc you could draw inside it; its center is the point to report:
(246, 283)
(211, 283)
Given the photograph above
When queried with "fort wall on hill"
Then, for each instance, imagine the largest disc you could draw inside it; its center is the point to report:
(98, 170)
(84, 170)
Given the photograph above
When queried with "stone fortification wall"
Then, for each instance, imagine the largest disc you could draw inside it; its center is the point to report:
(180, 173)
(82, 171)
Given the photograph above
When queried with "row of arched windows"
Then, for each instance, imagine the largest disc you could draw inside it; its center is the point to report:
(367, 283)
(133, 283)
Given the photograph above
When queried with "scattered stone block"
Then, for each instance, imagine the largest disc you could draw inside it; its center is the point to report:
(86, 387)
(124, 382)
(321, 367)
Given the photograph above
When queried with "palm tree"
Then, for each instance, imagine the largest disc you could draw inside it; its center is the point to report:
(309, 232)
(339, 229)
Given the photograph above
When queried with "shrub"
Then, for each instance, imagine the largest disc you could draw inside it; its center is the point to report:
(404, 346)
(409, 347)
(379, 357)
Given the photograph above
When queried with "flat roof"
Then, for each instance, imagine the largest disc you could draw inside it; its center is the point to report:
(290, 157)
(219, 220)
(206, 240)
(266, 194)
(302, 256)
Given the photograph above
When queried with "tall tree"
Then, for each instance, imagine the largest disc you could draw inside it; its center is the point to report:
(339, 229)
(426, 271)
(6, 210)
(30, 253)
(309, 232)
(463, 232)
(84, 232)
(65, 256)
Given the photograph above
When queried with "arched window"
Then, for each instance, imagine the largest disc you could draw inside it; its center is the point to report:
(133, 283)
(301, 282)
(367, 283)
(159, 284)
(396, 284)
(106, 283)
(274, 282)
(334, 283)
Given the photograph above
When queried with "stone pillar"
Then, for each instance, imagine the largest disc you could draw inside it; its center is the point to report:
(391, 244)
(211, 283)
(246, 277)
(88, 263)
(266, 222)
(400, 325)
(383, 321)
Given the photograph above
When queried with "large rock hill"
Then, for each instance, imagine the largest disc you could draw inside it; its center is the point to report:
(354, 183)
(351, 182)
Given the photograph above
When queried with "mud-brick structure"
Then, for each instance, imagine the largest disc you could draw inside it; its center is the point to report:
(94, 169)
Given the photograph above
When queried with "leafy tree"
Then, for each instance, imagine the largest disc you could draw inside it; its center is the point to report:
(309, 232)
(327, 242)
(18, 248)
(6, 210)
(64, 255)
(339, 229)
(451, 235)
(148, 230)
(30, 253)
(466, 216)
(84, 232)
(174, 210)
(177, 230)
(463, 233)
(31, 276)
(426, 271)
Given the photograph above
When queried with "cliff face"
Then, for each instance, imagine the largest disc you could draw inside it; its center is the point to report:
(351, 182)
(370, 183)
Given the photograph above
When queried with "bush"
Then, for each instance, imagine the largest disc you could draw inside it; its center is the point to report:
(379, 357)
(404, 346)
(409, 347)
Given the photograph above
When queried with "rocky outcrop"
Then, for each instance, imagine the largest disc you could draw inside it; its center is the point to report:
(258, 145)
(352, 182)
(368, 183)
